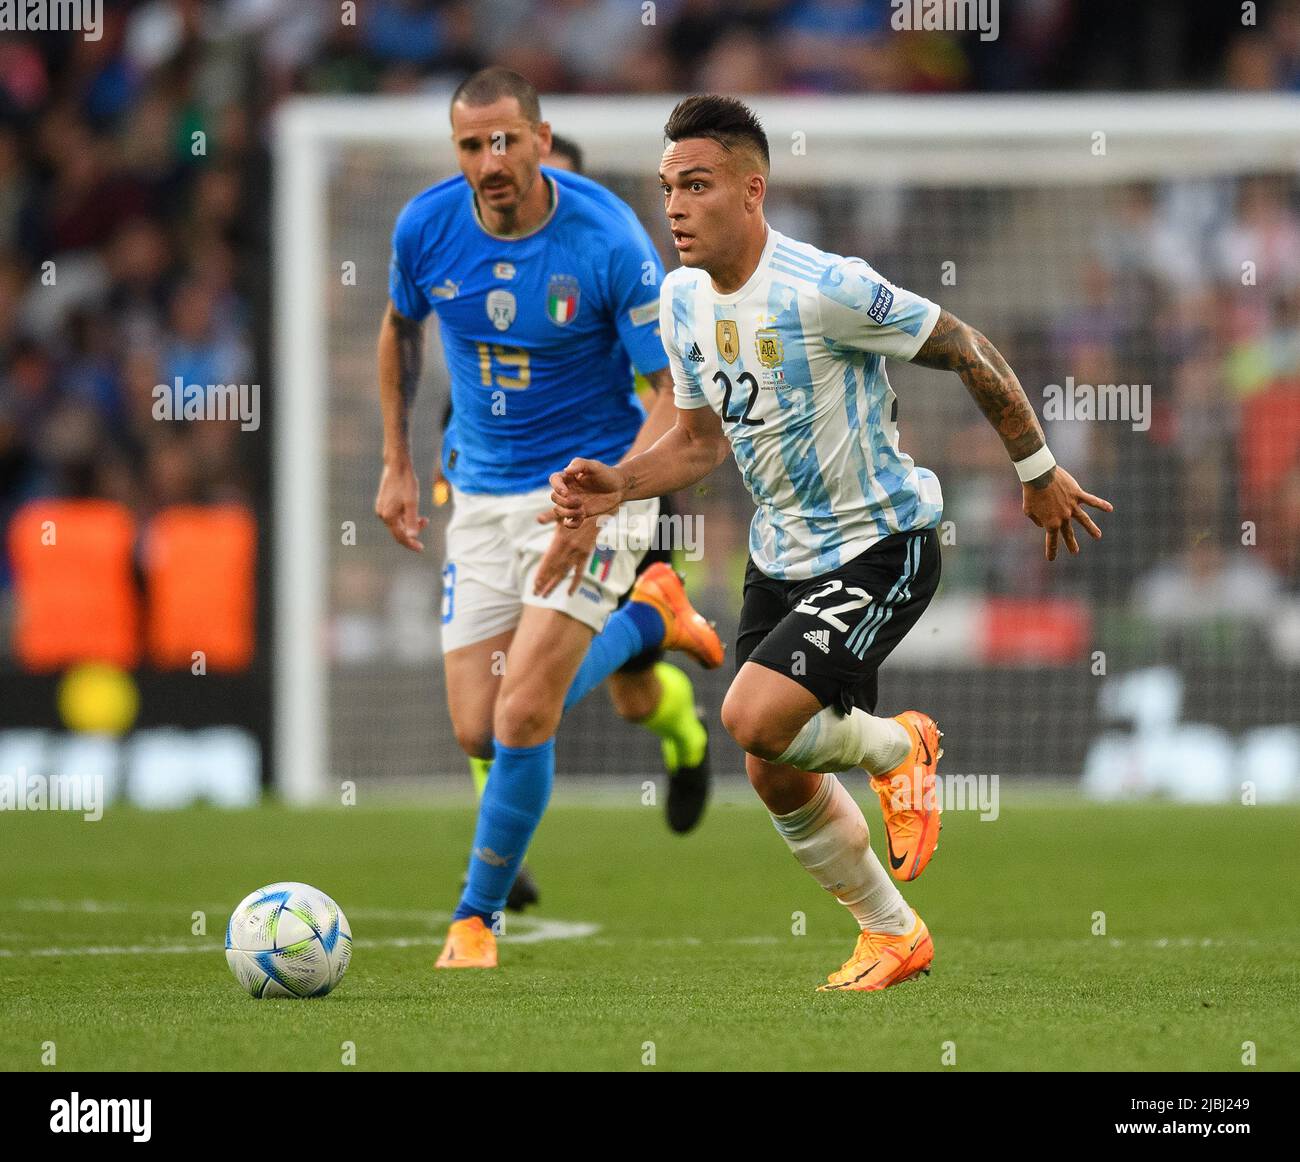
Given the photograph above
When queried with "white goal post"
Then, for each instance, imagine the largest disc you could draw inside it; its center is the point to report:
(950, 141)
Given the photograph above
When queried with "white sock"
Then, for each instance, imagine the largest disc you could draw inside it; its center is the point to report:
(831, 741)
(829, 836)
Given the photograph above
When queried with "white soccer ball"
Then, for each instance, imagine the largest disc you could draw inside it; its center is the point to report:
(288, 940)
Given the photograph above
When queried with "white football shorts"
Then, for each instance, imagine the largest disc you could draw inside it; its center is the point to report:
(494, 546)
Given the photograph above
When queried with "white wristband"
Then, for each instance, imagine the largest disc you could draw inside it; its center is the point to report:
(1034, 465)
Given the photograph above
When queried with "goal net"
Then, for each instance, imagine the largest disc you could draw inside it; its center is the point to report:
(1136, 260)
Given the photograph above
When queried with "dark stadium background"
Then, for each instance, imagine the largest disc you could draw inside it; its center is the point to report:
(162, 261)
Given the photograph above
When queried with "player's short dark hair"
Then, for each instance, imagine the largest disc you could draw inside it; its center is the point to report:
(491, 84)
(567, 147)
(731, 123)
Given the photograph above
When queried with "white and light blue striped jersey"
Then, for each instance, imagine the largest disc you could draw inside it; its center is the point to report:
(794, 363)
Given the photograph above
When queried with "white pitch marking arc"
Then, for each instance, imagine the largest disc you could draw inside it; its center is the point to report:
(536, 930)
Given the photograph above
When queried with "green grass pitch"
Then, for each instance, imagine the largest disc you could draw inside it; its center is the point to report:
(694, 950)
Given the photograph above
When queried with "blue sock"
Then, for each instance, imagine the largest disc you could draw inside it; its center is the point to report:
(632, 630)
(516, 794)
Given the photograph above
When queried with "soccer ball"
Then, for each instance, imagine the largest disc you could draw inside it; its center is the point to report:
(288, 940)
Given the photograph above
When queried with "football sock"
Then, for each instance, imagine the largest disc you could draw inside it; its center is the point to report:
(829, 837)
(681, 733)
(513, 801)
(478, 771)
(631, 630)
(831, 741)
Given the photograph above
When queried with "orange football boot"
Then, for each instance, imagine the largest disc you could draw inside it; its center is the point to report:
(470, 944)
(660, 587)
(880, 959)
(910, 800)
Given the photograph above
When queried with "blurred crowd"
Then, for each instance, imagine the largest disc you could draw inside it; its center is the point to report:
(1206, 275)
(134, 190)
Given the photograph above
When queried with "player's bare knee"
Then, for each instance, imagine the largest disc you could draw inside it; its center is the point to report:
(524, 719)
(754, 728)
(474, 741)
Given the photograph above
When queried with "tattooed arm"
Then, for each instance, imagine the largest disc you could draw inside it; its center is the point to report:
(1052, 499)
(401, 353)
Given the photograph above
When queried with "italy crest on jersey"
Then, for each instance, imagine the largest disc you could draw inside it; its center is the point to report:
(562, 299)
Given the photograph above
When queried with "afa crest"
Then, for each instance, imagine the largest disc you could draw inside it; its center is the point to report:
(728, 336)
(771, 351)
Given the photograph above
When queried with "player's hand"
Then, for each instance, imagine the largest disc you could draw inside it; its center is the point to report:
(398, 505)
(567, 554)
(586, 488)
(1053, 507)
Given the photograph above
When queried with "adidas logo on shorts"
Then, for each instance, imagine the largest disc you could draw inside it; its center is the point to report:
(694, 354)
(821, 638)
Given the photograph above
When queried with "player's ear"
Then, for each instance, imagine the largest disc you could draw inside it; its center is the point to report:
(755, 191)
(543, 132)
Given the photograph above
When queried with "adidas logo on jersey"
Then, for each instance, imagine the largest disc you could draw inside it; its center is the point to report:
(821, 638)
(694, 354)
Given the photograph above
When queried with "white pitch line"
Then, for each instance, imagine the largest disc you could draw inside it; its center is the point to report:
(533, 930)
(546, 930)
(106, 907)
(112, 907)
(68, 906)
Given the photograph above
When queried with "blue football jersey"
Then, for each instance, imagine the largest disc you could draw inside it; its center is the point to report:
(541, 333)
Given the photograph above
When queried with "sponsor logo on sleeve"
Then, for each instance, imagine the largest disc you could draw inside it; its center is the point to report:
(646, 313)
(881, 304)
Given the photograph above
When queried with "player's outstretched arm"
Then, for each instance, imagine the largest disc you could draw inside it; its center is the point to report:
(401, 352)
(660, 415)
(692, 448)
(1052, 497)
(570, 548)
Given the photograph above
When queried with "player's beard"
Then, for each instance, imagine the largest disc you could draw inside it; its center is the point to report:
(508, 211)
(485, 196)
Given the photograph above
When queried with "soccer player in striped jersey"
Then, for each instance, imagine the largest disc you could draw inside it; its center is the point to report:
(778, 351)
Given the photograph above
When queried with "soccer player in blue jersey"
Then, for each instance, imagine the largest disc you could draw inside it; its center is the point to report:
(646, 689)
(546, 292)
(777, 351)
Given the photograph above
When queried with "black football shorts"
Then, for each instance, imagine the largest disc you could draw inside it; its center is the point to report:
(831, 632)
